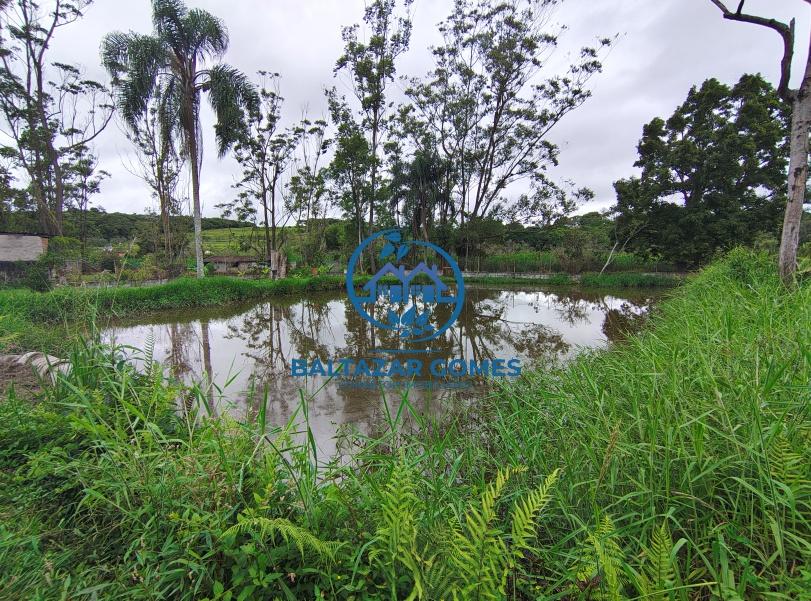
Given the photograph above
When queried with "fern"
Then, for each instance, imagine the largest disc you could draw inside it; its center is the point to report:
(658, 574)
(472, 560)
(786, 466)
(600, 567)
(395, 539)
(264, 527)
(525, 516)
(480, 554)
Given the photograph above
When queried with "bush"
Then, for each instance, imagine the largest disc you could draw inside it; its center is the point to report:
(36, 275)
(61, 248)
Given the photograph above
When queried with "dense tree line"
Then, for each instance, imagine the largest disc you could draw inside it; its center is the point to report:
(463, 157)
(110, 227)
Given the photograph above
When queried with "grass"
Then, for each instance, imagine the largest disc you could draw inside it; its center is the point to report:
(588, 280)
(674, 466)
(44, 321)
(240, 240)
(230, 241)
(548, 261)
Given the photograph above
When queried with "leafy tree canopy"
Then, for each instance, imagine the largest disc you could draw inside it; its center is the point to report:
(713, 174)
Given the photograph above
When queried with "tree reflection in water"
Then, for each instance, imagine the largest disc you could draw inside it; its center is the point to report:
(247, 350)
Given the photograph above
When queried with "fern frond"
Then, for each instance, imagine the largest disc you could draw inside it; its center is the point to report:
(787, 466)
(610, 558)
(600, 567)
(525, 514)
(479, 554)
(395, 539)
(264, 527)
(658, 574)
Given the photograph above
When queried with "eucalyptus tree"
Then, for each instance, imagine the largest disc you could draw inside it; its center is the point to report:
(371, 64)
(160, 165)
(351, 165)
(307, 189)
(491, 101)
(83, 179)
(799, 100)
(173, 64)
(264, 152)
(50, 111)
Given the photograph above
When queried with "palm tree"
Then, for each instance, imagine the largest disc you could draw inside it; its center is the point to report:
(169, 66)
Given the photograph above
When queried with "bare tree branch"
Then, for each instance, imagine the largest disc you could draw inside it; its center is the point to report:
(786, 32)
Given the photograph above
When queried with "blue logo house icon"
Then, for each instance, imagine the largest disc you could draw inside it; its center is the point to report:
(409, 304)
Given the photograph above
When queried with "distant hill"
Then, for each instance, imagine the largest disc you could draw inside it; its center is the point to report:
(111, 227)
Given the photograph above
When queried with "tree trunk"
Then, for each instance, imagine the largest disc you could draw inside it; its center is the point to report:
(167, 236)
(165, 198)
(268, 245)
(273, 267)
(797, 177)
(195, 191)
(610, 256)
(373, 179)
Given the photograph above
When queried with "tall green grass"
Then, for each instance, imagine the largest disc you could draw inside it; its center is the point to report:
(48, 321)
(703, 422)
(587, 280)
(674, 466)
(179, 293)
(528, 261)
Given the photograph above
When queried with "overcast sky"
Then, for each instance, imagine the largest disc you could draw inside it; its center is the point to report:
(664, 47)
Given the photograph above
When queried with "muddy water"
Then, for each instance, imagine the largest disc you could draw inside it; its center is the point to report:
(249, 350)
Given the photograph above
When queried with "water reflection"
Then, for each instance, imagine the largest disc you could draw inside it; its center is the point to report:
(247, 349)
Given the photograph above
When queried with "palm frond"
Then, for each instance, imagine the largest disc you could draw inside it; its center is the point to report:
(205, 33)
(134, 62)
(169, 103)
(167, 18)
(232, 95)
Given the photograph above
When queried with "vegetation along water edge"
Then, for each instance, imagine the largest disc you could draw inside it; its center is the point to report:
(31, 317)
(672, 466)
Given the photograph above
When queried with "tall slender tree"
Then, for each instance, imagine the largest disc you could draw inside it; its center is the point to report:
(83, 179)
(491, 100)
(50, 111)
(307, 187)
(172, 64)
(349, 170)
(371, 65)
(264, 153)
(160, 165)
(800, 101)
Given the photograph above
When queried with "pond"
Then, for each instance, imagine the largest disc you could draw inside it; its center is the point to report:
(249, 350)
